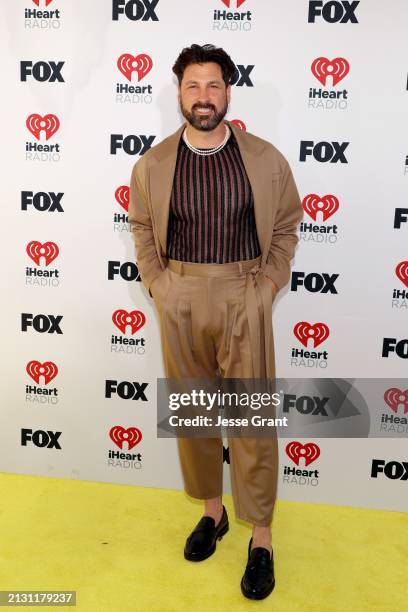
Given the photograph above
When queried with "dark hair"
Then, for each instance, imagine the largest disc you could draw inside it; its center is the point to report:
(197, 54)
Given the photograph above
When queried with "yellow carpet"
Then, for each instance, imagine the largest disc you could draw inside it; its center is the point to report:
(120, 547)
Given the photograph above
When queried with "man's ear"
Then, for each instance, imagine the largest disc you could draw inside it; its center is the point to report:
(229, 93)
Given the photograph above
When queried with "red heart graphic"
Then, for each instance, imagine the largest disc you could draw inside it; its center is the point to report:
(338, 68)
(141, 64)
(239, 124)
(295, 450)
(402, 272)
(49, 251)
(394, 397)
(48, 370)
(319, 332)
(49, 124)
(122, 318)
(228, 3)
(327, 205)
(122, 196)
(131, 435)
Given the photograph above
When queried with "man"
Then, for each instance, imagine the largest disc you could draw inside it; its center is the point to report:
(214, 212)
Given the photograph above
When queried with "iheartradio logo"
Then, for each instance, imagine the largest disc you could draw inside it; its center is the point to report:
(131, 435)
(304, 331)
(296, 451)
(326, 205)
(46, 2)
(140, 64)
(122, 194)
(322, 68)
(395, 397)
(135, 319)
(37, 124)
(48, 251)
(239, 123)
(402, 272)
(48, 370)
(228, 3)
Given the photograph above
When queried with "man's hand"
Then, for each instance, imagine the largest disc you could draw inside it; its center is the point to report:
(273, 286)
(152, 286)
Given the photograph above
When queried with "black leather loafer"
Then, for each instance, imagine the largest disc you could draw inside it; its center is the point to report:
(258, 580)
(201, 543)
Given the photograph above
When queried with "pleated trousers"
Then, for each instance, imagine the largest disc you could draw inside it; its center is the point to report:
(216, 320)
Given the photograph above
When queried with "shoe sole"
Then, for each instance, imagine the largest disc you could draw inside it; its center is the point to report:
(222, 532)
(257, 597)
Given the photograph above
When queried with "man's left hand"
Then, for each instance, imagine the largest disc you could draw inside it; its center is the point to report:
(273, 286)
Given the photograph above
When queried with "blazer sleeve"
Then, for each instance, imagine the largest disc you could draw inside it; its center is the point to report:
(284, 236)
(142, 228)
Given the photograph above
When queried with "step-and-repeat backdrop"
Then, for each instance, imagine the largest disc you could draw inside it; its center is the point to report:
(87, 88)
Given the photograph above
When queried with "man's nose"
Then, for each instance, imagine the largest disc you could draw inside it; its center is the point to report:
(204, 94)
(204, 98)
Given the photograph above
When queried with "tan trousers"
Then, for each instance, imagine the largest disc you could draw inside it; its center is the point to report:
(215, 320)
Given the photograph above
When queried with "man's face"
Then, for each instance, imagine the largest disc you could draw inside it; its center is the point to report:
(203, 96)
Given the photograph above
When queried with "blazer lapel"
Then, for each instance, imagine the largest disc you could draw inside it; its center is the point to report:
(161, 183)
(261, 186)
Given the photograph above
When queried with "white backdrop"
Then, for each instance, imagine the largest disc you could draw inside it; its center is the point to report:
(276, 38)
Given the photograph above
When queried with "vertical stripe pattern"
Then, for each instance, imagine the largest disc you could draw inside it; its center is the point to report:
(212, 216)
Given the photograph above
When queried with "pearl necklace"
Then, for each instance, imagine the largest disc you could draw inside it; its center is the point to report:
(208, 151)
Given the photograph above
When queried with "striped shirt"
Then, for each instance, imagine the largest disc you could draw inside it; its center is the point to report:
(211, 217)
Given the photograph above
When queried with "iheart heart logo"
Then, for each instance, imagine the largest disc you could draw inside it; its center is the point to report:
(122, 318)
(228, 3)
(122, 196)
(327, 205)
(49, 251)
(402, 272)
(131, 435)
(37, 2)
(395, 397)
(36, 124)
(322, 68)
(295, 451)
(318, 332)
(48, 370)
(141, 64)
(239, 124)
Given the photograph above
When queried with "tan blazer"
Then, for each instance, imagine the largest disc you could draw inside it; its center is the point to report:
(278, 209)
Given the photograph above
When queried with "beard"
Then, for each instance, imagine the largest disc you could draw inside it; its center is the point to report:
(205, 123)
